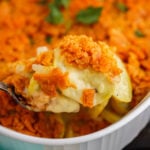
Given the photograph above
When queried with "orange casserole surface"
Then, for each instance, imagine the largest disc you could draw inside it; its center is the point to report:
(23, 28)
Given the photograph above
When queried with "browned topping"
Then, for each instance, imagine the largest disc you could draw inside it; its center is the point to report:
(45, 58)
(49, 125)
(22, 29)
(82, 124)
(31, 123)
(52, 81)
(18, 81)
(87, 97)
(83, 52)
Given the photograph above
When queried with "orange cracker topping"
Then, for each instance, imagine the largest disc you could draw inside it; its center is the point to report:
(88, 97)
(45, 58)
(82, 52)
(52, 81)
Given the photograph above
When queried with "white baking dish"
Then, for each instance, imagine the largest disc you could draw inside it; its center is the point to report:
(114, 137)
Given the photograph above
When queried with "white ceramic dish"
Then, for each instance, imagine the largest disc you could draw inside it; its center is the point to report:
(114, 137)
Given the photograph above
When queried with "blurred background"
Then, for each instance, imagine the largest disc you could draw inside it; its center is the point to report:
(142, 142)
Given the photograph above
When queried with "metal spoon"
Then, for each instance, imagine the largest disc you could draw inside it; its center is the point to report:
(17, 97)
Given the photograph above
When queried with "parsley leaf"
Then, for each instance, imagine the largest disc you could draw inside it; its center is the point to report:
(55, 16)
(48, 39)
(63, 3)
(89, 15)
(138, 33)
(122, 7)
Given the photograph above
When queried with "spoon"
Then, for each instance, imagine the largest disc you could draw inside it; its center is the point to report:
(10, 90)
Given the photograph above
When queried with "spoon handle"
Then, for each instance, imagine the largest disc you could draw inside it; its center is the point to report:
(4, 87)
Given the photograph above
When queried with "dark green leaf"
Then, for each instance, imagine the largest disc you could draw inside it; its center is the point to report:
(55, 16)
(89, 15)
(65, 3)
(48, 39)
(60, 3)
(122, 7)
(138, 33)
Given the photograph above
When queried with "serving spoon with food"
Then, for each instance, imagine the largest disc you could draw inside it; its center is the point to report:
(10, 90)
(79, 72)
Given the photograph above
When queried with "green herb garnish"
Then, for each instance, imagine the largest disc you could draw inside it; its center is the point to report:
(63, 3)
(55, 16)
(89, 15)
(48, 39)
(122, 7)
(138, 33)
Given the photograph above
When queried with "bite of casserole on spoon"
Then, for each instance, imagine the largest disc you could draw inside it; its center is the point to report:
(78, 72)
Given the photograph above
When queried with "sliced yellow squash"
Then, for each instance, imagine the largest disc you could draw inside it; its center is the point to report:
(123, 87)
